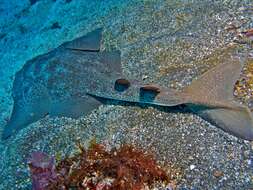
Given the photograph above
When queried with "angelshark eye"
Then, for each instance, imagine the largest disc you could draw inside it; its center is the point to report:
(121, 85)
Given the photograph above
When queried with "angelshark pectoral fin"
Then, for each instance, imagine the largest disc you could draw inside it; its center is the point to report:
(75, 107)
(236, 119)
(34, 106)
(23, 116)
(9, 129)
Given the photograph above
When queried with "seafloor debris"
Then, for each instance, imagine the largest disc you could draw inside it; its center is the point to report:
(126, 168)
(245, 37)
(248, 33)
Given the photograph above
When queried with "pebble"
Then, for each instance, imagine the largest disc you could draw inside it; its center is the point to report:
(218, 173)
(192, 167)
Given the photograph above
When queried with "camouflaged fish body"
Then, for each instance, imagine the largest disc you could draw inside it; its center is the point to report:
(67, 80)
(56, 83)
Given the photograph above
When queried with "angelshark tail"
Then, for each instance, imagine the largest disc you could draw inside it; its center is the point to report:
(210, 96)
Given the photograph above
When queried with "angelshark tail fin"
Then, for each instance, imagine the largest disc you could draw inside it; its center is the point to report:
(236, 119)
(211, 97)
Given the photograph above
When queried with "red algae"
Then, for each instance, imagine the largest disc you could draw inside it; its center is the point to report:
(42, 169)
(126, 168)
(248, 33)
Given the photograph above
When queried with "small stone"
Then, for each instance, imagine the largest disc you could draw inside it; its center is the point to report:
(192, 167)
(171, 186)
(55, 25)
(190, 158)
(218, 173)
(144, 77)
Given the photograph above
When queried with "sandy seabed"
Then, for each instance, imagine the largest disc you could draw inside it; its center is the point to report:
(162, 41)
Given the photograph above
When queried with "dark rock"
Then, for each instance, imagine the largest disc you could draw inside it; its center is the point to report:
(33, 1)
(55, 25)
(2, 35)
(22, 29)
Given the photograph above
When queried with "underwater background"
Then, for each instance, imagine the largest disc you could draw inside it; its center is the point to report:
(168, 42)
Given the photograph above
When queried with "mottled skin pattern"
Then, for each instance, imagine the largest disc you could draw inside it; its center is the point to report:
(56, 83)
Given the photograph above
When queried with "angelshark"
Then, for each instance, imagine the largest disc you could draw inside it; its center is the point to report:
(56, 83)
(68, 80)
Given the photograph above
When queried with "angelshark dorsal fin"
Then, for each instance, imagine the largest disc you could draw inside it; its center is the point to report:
(88, 42)
(216, 84)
